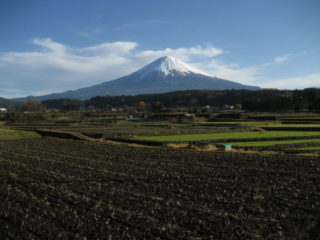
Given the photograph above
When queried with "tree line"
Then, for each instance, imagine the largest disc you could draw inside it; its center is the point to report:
(270, 100)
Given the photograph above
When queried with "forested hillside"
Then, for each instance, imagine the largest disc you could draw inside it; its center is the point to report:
(264, 100)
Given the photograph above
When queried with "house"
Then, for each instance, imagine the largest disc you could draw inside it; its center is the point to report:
(3, 110)
(143, 116)
(229, 107)
(226, 147)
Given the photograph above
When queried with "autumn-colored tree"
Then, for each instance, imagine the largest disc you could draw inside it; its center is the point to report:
(141, 106)
(33, 105)
(156, 106)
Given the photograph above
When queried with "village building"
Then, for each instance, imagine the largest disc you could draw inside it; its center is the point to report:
(227, 147)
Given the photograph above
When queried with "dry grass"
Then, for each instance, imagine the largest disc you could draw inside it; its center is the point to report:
(241, 150)
(256, 129)
(177, 145)
(63, 118)
(207, 147)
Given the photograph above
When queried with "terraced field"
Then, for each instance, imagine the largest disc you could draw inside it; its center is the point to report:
(64, 189)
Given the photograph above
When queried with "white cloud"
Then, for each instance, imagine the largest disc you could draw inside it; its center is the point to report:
(114, 48)
(57, 56)
(49, 44)
(184, 54)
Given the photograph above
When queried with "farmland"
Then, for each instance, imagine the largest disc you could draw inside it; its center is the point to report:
(62, 189)
(121, 178)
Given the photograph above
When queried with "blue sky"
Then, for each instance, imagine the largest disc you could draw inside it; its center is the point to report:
(51, 46)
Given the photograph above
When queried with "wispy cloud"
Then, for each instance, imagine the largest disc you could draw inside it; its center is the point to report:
(287, 57)
(232, 71)
(278, 60)
(282, 59)
(146, 23)
(93, 33)
(98, 32)
(310, 80)
(10, 93)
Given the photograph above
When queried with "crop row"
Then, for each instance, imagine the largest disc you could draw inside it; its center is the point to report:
(277, 145)
(62, 189)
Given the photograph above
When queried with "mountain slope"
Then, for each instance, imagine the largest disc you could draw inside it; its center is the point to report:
(165, 74)
(6, 103)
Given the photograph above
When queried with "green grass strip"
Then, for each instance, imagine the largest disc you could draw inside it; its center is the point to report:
(305, 148)
(273, 143)
(262, 124)
(228, 135)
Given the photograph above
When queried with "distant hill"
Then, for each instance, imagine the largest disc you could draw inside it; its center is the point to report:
(165, 74)
(6, 103)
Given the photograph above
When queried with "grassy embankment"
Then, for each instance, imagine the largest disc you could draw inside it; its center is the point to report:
(7, 134)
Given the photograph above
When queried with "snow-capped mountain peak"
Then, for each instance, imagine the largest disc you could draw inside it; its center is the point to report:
(165, 74)
(169, 66)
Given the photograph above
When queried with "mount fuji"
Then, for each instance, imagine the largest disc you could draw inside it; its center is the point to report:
(165, 74)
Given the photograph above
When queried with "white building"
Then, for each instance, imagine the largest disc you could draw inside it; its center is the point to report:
(3, 110)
